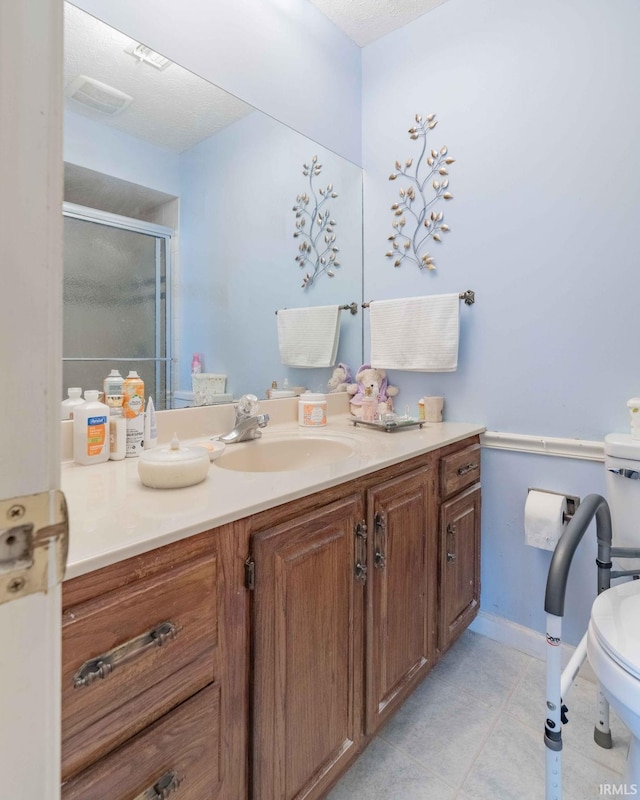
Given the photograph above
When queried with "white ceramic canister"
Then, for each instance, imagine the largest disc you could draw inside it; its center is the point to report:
(312, 410)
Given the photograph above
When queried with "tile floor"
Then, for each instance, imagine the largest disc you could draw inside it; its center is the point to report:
(473, 731)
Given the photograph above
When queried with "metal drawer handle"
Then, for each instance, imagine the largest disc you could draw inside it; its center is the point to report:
(101, 667)
(380, 541)
(360, 567)
(468, 468)
(451, 531)
(627, 473)
(162, 788)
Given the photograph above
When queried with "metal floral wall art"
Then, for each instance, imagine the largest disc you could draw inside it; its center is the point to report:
(317, 252)
(416, 222)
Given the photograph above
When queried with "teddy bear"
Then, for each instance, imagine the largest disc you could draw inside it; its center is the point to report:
(367, 376)
(341, 378)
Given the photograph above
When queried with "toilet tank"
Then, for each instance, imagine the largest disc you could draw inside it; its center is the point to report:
(622, 465)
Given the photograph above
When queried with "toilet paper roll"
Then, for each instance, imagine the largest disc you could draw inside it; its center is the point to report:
(544, 519)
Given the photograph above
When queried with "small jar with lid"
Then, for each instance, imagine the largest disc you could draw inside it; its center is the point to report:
(312, 410)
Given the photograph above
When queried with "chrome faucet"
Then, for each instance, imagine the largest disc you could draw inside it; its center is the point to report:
(248, 423)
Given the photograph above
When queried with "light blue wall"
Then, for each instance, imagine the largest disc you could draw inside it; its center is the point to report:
(536, 101)
(95, 146)
(238, 252)
(282, 56)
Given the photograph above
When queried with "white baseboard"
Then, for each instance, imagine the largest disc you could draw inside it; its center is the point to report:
(520, 638)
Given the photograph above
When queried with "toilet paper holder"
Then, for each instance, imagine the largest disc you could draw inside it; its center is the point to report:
(573, 501)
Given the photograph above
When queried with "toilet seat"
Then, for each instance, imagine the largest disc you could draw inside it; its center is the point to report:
(615, 622)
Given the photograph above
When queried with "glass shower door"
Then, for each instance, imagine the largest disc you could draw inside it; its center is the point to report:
(115, 304)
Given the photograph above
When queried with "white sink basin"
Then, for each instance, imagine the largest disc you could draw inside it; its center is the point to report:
(282, 455)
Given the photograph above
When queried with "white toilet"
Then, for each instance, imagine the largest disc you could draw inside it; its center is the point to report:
(613, 640)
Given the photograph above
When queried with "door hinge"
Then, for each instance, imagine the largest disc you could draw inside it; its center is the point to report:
(250, 574)
(34, 529)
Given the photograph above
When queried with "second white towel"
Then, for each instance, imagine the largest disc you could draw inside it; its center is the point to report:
(308, 337)
(417, 334)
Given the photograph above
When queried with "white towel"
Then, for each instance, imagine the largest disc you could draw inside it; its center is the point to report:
(308, 337)
(418, 334)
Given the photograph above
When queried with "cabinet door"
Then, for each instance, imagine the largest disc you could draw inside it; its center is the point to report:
(459, 564)
(401, 592)
(307, 652)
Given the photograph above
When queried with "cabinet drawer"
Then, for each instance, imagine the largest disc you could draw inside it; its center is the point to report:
(459, 470)
(180, 753)
(104, 706)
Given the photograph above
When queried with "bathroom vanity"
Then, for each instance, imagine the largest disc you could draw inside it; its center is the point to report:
(250, 646)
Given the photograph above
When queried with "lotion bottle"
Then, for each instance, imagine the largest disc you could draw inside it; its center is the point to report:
(91, 430)
(117, 434)
(150, 426)
(74, 399)
(369, 405)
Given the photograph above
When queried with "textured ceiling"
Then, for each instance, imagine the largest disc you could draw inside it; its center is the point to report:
(173, 108)
(364, 21)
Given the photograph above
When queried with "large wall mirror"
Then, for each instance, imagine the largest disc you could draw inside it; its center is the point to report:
(179, 225)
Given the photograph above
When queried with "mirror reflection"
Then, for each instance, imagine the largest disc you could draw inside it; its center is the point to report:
(179, 226)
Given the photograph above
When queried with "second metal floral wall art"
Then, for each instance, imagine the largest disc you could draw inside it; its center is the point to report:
(317, 252)
(416, 222)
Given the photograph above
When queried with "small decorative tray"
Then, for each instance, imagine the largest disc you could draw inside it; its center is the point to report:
(391, 425)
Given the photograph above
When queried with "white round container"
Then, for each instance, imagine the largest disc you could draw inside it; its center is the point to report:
(173, 467)
(312, 410)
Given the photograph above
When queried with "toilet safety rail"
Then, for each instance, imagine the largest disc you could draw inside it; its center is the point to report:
(558, 680)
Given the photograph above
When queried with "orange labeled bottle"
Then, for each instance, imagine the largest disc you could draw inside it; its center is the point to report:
(133, 408)
(91, 430)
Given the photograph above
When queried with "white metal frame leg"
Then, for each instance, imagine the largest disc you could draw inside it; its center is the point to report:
(553, 723)
(602, 731)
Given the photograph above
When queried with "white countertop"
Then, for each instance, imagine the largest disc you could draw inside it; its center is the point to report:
(113, 516)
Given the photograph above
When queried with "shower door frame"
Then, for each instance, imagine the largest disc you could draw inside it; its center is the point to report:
(99, 217)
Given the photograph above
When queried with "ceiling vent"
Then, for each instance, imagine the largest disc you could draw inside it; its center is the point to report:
(145, 54)
(96, 95)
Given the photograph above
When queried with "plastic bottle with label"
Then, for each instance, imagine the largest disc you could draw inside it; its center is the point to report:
(117, 434)
(150, 426)
(133, 407)
(369, 405)
(91, 430)
(113, 389)
(73, 400)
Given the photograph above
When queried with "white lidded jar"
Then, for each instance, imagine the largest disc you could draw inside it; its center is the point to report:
(312, 410)
(173, 467)
(91, 430)
(74, 399)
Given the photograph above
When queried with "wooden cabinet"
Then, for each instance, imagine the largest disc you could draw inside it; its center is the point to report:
(177, 754)
(459, 543)
(147, 698)
(344, 624)
(178, 680)
(401, 590)
(307, 645)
